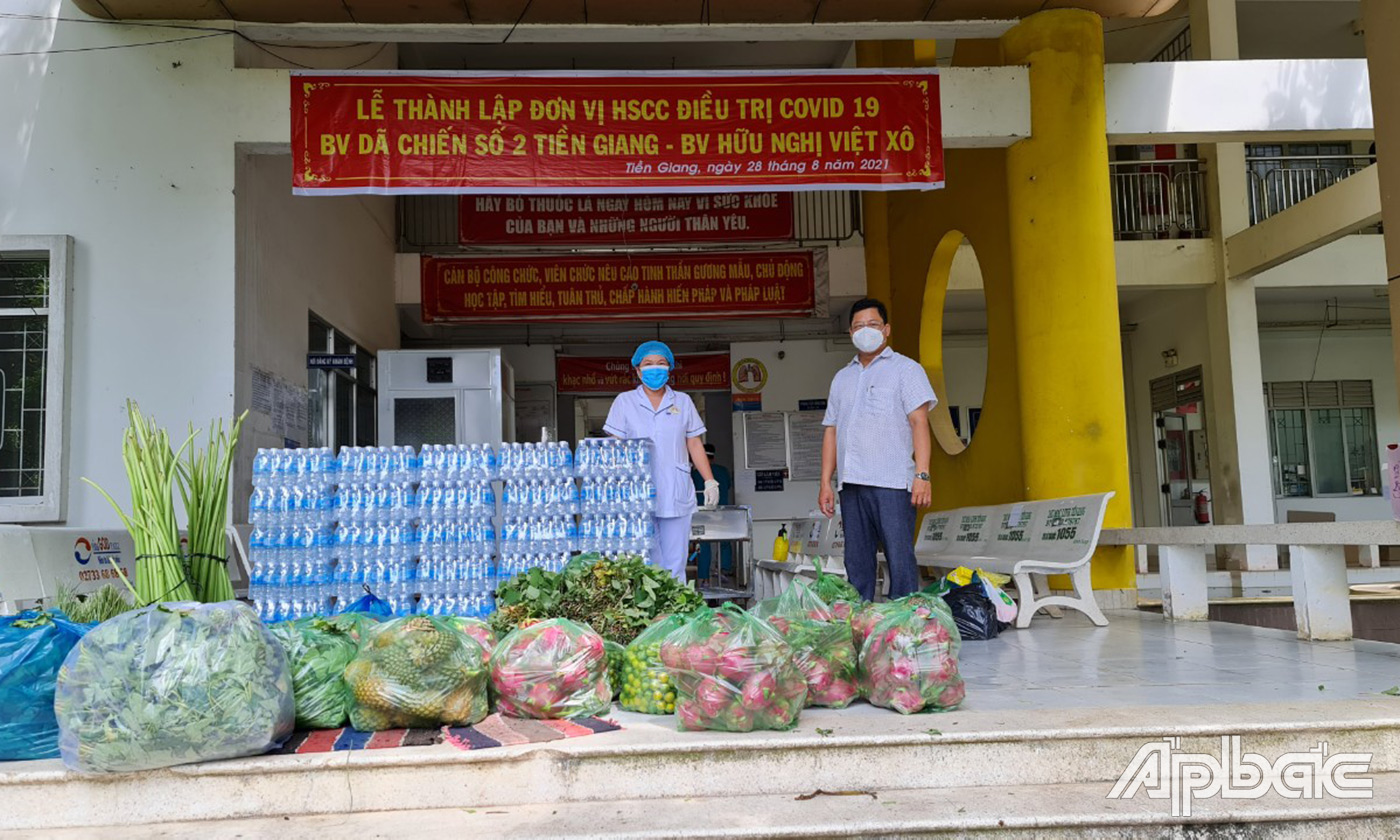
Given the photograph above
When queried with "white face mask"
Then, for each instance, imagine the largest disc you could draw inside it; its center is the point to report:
(868, 339)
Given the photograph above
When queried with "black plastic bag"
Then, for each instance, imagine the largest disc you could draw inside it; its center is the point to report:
(974, 612)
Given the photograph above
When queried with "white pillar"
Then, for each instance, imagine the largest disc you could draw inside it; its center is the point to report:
(1184, 591)
(1237, 423)
(1321, 596)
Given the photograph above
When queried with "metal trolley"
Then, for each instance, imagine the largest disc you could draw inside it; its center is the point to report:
(725, 525)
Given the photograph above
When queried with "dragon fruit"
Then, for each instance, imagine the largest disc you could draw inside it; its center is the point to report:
(737, 673)
(551, 669)
(909, 661)
(822, 644)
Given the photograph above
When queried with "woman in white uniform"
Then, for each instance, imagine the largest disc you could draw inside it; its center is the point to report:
(668, 418)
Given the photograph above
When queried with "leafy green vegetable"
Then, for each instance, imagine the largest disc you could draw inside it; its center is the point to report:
(617, 598)
(172, 684)
(832, 588)
(93, 608)
(318, 649)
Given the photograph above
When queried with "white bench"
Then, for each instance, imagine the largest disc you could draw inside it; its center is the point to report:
(1049, 537)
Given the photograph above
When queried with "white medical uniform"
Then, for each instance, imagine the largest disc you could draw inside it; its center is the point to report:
(669, 427)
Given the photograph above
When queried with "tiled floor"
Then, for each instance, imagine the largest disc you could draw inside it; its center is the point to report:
(1141, 659)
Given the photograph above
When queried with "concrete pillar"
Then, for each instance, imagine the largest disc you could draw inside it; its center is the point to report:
(1236, 419)
(1064, 285)
(1321, 597)
(1381, 20)
(1184, 588)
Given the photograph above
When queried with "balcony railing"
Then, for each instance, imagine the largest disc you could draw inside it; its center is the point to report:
(1277, 183)
(1159, 199)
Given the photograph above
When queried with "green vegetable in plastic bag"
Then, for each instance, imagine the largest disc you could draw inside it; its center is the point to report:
(832, 588)
(318, 649)
(418, 671)
(647, 686)
(173, 684)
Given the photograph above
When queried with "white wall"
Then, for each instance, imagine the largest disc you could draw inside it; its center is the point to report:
(1289, 356)
(333, 256)
(133, 156)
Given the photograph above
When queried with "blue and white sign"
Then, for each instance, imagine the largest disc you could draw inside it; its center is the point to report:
(329, 361)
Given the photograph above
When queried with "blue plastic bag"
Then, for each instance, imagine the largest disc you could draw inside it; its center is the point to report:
(33, 645)
(370, 605)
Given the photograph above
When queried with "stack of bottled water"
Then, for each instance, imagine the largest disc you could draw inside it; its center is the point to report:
(617, 496)
(376, 543)
(457, 539)
(551, 459)
(292, 543)
(538, 501)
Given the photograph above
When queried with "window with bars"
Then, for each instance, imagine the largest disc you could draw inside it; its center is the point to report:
(1322, 436)
(344, 401)
(33, 305)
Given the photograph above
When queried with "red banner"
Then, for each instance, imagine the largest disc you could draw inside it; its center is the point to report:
(582, 132)
(590, 375)
(543, 220)
(576, 287)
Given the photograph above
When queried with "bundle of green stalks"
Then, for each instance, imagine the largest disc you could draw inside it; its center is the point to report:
(204, 487)
(165, 571)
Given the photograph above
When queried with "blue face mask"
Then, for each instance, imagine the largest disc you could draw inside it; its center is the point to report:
(655, 376)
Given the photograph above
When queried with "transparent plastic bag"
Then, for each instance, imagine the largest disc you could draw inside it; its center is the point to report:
(831, 587)
(33, 646)
(417, 671)
(615, 654)
(822, 645)
(318, 650)
(479, 632)
(910, 660)
(646, 685)
(173, 684)
(553, 669)
(733, 672)
(867, 615)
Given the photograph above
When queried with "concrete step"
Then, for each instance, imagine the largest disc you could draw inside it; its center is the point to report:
(1062, 810)
(853, 749)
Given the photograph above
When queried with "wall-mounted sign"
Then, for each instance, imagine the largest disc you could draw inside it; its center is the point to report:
(572, 287)
(567, 220)
(603, 375)
(750, 375)
(589, 132)
(328, 361)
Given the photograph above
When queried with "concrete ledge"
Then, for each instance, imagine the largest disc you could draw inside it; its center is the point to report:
(850, 749)
(1379, 532)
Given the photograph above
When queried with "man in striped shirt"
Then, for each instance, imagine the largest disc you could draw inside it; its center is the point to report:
(877, 444)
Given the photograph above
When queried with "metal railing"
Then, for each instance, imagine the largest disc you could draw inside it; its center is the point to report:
(1158, 199)
(1279, 182)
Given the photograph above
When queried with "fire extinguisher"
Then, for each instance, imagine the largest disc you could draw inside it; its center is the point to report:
(1202, 508)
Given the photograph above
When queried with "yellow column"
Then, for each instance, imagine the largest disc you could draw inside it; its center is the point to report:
(1064, 292)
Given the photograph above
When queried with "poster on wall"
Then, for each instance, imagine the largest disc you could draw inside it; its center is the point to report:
(765, 441)
(650, 286)
(567, 220)
(805, 435)
(552, 132)
(608, 375)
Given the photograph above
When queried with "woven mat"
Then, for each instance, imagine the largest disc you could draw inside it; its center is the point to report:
(494, 731)
(498, 731)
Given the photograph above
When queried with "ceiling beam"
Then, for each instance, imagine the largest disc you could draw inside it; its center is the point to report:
(530, 33)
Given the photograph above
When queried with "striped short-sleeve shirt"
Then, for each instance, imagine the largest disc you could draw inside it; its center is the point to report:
(870, 407)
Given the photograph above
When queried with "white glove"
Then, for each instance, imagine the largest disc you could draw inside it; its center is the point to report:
(711, 494)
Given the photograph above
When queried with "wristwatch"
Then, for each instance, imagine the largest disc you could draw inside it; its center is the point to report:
(921, 476)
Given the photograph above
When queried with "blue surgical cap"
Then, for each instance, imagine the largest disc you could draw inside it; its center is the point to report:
(652, 348)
